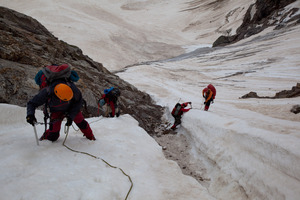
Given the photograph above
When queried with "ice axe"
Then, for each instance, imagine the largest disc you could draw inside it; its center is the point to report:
(36, 137)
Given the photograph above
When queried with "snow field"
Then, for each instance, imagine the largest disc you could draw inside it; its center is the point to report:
(245, 148)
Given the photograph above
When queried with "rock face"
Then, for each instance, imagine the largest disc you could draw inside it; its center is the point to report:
(294, 92)
(261, 15)
(26, 46)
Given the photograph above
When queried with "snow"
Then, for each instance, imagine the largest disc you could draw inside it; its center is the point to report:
(105, 30)
(253, 141)
(243, 148)
(52, 171)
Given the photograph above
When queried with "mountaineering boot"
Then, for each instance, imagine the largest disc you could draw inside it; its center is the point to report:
(50, 136)
(206, 108)
(89, 136)
(88, 133)
(45, 135)
(173, 127)
(86, 130)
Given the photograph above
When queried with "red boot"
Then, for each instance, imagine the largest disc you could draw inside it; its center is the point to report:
(173, 127)
(88, 133)
(52, 136)
(206, 108)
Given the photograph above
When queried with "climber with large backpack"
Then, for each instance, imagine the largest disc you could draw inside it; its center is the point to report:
(63, 99)
(209, 94)
(53, 72)
(110, 98)
(177, 113)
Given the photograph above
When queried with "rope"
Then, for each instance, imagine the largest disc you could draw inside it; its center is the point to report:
(85, 153)
(42, 123)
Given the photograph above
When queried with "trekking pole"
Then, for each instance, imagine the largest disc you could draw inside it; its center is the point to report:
(66, 132)
(36, 137)
(202, 104)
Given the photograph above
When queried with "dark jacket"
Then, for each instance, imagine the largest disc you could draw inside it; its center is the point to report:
(46, 95)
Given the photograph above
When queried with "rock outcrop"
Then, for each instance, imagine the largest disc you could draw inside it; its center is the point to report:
(295, 109)
(294, 92)
(26, 46)
(261, 15)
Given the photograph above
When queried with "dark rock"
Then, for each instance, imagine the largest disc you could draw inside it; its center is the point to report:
(294, 92)
(296, 109)
(26, 46)
(268, 13)
(250, 95)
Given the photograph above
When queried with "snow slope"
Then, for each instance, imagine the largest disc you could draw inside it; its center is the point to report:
(51, 171)
(252, 143)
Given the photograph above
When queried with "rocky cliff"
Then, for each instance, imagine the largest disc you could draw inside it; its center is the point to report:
(26, 46)
(261, 15)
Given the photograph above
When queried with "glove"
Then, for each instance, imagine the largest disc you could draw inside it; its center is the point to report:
(204, 102)
(101, 102)
(31, 119)
(69, 121)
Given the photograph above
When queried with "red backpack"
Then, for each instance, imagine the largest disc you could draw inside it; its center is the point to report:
(213, 89)
(52, 72)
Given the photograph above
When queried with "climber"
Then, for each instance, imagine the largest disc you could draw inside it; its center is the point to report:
(110, 98)
(209, 94)
(177, 113)
(64, 99)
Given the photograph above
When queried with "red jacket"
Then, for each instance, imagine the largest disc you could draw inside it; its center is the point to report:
(181, 110)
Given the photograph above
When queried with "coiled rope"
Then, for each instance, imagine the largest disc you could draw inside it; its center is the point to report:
(93, 156)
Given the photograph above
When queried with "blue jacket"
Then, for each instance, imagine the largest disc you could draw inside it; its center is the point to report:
(45, 95)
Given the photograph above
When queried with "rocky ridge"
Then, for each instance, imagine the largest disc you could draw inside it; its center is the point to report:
(261, 15)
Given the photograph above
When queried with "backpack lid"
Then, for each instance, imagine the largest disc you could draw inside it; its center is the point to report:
(56, 72)
(106, 91)
(213, 89)
(177, 105)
